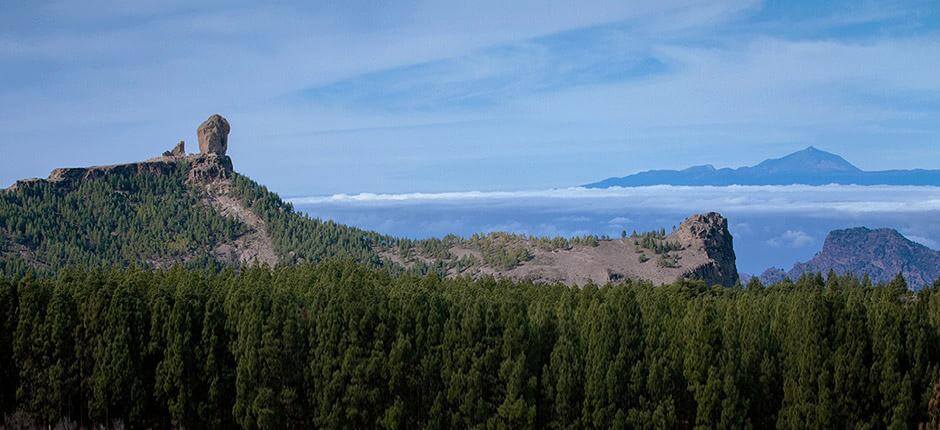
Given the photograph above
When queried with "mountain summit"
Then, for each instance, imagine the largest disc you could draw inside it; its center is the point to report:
(810, 166)
(807, 161)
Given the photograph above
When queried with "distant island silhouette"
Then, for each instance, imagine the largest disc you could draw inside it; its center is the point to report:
(810, 166)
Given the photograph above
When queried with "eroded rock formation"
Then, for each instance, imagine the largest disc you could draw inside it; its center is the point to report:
(709, 235)
(210, 165)
(178, 151)
(213, 135)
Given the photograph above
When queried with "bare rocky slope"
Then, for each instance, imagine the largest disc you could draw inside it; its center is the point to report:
(262, 229)
(700, 248)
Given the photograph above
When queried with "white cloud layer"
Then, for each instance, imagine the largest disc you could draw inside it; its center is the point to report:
(753, 199)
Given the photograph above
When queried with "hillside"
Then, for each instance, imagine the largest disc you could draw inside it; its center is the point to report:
(810, 166)
(880, 254)
(195, 210)
(192, 210)
(700, 248)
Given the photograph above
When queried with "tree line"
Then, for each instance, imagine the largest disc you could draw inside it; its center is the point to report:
(341, 345)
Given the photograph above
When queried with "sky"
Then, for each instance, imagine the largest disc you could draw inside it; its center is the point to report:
(407, 96)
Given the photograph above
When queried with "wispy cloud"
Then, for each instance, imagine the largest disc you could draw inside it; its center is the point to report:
(792, 239)
(528, 94)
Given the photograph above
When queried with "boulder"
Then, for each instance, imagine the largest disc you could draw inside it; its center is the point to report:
(213, 135)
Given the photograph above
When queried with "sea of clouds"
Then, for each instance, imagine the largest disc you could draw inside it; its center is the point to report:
(772, 225)
(738, 198)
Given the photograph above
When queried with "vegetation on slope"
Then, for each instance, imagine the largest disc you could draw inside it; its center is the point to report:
(159, 219)
(497, 250)
(119, 219)
(343, 346)
(156, 220)
(298, 238)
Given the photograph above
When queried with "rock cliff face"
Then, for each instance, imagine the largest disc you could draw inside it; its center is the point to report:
(206, 168)
(202, 169)
(209, 165)
(709, 235)
(881, 254)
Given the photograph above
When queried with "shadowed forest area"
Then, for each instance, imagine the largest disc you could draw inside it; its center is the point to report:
(340, 345)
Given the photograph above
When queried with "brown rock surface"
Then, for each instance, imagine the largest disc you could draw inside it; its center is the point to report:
(178, 151)
(66, 176)
(213, 135)
(209, 167)
(708, 234)
(202, 169)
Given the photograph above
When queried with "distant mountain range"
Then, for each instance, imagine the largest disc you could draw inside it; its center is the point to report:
(881, 254)
(810, 166)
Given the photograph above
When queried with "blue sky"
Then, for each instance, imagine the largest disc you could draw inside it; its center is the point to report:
(368, 96)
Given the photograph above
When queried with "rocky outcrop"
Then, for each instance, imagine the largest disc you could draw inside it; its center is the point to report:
(213, 135)
(210, 165)
(207, 168)
(68, 176)
(178, 151)
(199, 169)
(708, 234)
(880, 254)
(701, 248)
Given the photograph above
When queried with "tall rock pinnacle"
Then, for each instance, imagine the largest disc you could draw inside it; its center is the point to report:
(709, 234)
(213, 135)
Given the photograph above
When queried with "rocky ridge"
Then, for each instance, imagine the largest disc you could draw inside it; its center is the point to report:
(880, 254)
(704, 251)
(208, 173)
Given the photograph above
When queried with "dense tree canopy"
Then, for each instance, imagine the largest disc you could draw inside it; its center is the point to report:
(156, 220)
(119, 219)
(339, 345)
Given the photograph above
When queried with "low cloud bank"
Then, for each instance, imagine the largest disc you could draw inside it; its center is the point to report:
(786, 198)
